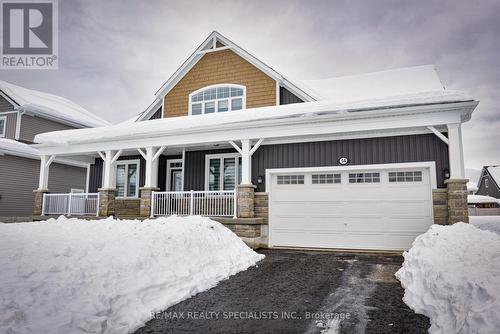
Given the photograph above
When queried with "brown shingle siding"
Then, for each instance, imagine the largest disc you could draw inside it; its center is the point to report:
(218, 68)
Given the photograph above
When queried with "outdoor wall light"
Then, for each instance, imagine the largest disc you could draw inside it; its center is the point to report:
(260, 180)
(446, 173)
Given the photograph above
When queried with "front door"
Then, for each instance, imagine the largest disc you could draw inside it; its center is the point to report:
(176, 180)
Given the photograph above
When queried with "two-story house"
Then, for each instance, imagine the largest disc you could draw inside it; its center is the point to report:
(25, 113)
(364, 162)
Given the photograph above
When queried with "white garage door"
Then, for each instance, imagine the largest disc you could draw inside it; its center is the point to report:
(357, 209)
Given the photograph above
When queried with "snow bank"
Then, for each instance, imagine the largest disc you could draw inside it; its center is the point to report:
(77, 276)
(489, 223)
(451, 275)
(248, 117)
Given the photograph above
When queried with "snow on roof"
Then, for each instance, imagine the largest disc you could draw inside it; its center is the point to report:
(245, 118)
(476, 199)
(408, 80)
(15, 147)
(495, 173)
(472, 186)
(51, 106)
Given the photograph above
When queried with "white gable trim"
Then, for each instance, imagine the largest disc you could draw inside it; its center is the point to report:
(202, 49)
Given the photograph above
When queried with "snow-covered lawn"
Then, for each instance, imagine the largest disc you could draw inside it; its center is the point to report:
(451, 274)
(107, 276)
(490, 223)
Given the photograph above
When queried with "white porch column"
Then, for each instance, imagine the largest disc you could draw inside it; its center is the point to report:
(45, 161)
(455, 150)
(109, 177)
(151, 180)
(246, 162)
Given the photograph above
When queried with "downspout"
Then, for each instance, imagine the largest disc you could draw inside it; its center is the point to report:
(20, 113)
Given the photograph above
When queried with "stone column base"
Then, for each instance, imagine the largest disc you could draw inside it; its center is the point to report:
(146, 200)
(245, 200)
(106, 202)
(457, 200)
(37, 209)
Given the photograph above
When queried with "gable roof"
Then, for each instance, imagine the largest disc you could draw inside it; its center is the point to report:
(206, 46)
(50, 106)
(494, 172)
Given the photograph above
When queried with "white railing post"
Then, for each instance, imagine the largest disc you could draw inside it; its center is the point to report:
(97, 206)
(153, 202)
(235, 205)
(69, 204)
(191, 203)
(43, 204)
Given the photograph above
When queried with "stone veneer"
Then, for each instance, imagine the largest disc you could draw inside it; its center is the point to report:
(261, 206)
(127, 207)
(457, 201)
(37, 210)
(245, 200)
(440, 206)
(145, 202)
(106, 202)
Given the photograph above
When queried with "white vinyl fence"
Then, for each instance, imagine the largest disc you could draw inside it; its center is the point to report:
(484, 211)
(204, 203)
(72, 204)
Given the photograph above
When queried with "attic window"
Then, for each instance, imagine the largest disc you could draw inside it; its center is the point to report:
(219, 98)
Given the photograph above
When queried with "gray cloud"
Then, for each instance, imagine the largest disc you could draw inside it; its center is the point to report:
(115, 54)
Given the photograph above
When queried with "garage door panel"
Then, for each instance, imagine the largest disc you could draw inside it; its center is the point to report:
(383, 215)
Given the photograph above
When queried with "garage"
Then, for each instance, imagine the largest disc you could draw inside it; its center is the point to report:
(382, 207)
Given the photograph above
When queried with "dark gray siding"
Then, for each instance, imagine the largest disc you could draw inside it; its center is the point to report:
(95, 177)
(10, 126)
(492, 189)
(157, 114)
(398, 149)
(5, 105)
(287, 97)
(19, 177)
(31, 126)
(383, 150)
(194, 168)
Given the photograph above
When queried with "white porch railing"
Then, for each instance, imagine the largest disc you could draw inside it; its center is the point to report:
(204, 203)
(71, 204)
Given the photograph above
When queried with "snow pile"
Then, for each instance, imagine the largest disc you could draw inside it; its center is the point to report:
(51, 105)
(254, 117)
(477, 199)
(489, 223)
(13, 146)
(106, 276)
(451, 275)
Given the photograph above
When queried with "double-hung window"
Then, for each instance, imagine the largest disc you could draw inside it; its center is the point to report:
(223, 171)
(3, 125)
(218, 98)
(127, 178)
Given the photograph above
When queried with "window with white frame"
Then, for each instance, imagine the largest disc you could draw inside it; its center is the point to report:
(290, 179)
(127, 178)
(364, 177)
(223, 171)
(325, 178)
(3, 125)
(406, 176)
(219, 98)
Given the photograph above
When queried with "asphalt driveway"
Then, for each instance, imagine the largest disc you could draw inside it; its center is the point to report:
(299, 292)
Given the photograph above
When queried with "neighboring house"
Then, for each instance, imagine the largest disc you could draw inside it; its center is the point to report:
(489, 182)
(352, 162)
(480, 201)
(24, 113)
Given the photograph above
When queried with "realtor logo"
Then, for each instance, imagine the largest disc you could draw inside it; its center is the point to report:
(29, 34)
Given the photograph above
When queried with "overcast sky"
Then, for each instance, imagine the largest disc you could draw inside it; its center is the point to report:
(115, 54)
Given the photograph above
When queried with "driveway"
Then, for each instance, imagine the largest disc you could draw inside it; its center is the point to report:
(299, 292)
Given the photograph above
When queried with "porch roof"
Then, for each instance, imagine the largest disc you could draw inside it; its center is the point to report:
(253, 123)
